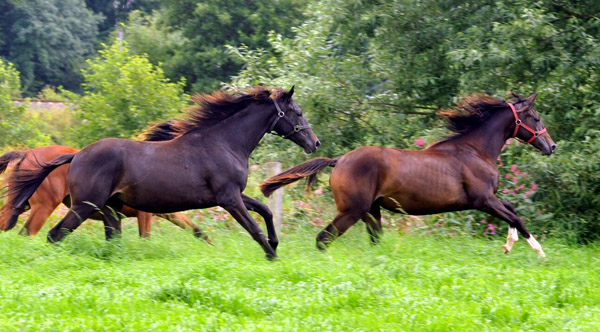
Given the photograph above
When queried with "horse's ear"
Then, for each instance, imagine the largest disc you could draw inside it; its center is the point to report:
(291, 93)
(519, 97)
(531, 99)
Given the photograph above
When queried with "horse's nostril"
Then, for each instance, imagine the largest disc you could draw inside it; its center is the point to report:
(317, 143)
(553, 147)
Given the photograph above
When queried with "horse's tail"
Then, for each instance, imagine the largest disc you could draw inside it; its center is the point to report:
(24, 183)
(306, 169)
(9, 157)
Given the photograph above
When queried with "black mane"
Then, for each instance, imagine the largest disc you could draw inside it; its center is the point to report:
(210, 109)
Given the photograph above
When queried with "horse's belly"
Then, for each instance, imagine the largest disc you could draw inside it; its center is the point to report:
(423, 199)
(167, 197)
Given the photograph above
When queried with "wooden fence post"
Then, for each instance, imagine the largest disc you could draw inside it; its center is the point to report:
(275, 201)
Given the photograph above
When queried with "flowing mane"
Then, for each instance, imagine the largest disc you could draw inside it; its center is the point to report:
(208, 110)
(469, 113)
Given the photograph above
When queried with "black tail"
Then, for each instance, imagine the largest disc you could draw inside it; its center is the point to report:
(9, 157)
(309, 168)
(24, 183)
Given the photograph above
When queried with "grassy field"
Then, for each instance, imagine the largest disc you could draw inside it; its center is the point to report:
(173, 282)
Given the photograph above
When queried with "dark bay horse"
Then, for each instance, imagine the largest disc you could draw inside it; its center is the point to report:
(53, 190)
(458, 173)
(204, 165)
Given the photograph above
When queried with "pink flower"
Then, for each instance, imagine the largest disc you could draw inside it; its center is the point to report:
(505, 191)
(499, 159)
(517, 172)
(507, 176)
(419, 142)
(533, 186)
(319, 191)
(513, 168)
(302, 204)
(483, 221)
(525, 174)
(254, 167)
(508, 142)
(491, 229)
(317, 221)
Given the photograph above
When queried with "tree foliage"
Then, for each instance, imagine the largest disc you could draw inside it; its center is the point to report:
(15, 131)
(48, 41)
(207, 26)
(123, 93)
(376, 72)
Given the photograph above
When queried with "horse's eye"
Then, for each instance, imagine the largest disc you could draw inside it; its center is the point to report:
(536, 119)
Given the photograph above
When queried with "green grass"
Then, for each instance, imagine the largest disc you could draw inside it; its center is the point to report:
(174, 282)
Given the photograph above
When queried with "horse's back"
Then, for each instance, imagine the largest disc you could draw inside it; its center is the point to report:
(415, 181)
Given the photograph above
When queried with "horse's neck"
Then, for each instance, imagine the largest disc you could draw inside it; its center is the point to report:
(242, 131)
(491, 136)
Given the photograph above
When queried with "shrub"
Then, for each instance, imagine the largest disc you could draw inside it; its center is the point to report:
(123, 93)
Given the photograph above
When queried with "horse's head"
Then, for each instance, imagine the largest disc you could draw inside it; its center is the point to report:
(529, 126)
(290, 123)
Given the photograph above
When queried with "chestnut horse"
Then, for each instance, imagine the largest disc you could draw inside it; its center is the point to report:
(458, 173)
(54, 190)
(204, 165)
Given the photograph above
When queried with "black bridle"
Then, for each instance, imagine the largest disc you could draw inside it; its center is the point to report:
(296, 128)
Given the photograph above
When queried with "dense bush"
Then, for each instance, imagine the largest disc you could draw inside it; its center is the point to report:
(123, 93)
(571, 189)
(15, 129)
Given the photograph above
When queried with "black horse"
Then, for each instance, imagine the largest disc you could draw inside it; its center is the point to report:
(204, 165)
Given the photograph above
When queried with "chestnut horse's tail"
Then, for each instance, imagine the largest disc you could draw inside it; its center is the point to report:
(8, 157)
(309, 168)
(24, 183)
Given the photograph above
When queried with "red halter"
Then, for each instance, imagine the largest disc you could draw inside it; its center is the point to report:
(519, 123)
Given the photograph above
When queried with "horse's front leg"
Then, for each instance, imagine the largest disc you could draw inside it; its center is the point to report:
(505, 211)
(234, 204)
(260, 208)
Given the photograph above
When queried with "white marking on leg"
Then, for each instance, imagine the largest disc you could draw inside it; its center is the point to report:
(535, 246)
(511, 239)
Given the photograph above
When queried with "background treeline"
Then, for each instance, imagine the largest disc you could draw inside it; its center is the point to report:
(367, 72)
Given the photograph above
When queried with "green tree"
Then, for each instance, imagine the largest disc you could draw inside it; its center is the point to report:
(376, 72)
(116, 11)
(15, 131)
(123, 93)
(205, 27)
(47, 40)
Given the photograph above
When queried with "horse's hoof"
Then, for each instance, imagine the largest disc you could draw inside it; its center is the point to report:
(321, 245)
(272, 257)
(505, 249)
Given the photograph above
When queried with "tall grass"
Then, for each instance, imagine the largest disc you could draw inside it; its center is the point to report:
(174, 282)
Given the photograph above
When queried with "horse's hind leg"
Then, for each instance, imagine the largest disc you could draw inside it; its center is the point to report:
(373, 221)
(111, 216)
(339, 225)
(79, 212)
(42, 206)
(37, 218)
(263, 210)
